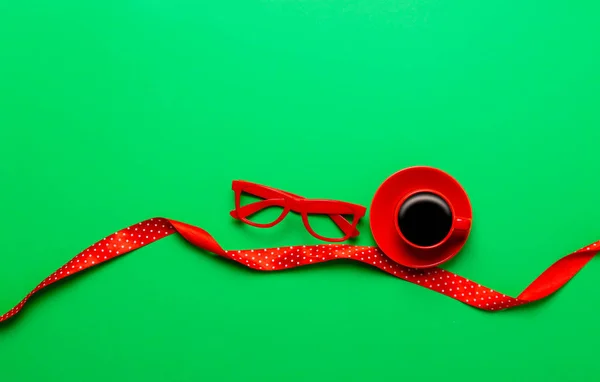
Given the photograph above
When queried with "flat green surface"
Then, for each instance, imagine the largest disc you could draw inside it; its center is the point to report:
(113, 112)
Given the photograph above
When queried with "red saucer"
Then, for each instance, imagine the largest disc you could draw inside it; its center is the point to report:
(392, 191)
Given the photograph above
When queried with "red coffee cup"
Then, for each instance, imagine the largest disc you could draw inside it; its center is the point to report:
(427, 220)
(420, 217)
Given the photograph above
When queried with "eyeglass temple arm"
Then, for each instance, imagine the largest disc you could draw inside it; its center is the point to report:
(251, 209)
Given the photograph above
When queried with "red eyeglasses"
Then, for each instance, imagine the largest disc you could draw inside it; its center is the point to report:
(273, 198)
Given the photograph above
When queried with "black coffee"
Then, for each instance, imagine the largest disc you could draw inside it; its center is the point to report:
(425, 219)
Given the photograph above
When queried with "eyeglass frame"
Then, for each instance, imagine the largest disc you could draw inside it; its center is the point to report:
(299, 204)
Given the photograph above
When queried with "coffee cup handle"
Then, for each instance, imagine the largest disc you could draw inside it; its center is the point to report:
(462, 225)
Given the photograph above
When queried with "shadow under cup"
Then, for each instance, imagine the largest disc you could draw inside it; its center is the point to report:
(426, 220)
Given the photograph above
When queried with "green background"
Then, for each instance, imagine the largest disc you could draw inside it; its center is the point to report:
(114, 112)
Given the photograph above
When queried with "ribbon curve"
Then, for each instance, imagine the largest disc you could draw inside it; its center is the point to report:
(275, 259)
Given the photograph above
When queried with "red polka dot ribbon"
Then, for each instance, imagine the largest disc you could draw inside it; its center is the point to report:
(275, 259)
